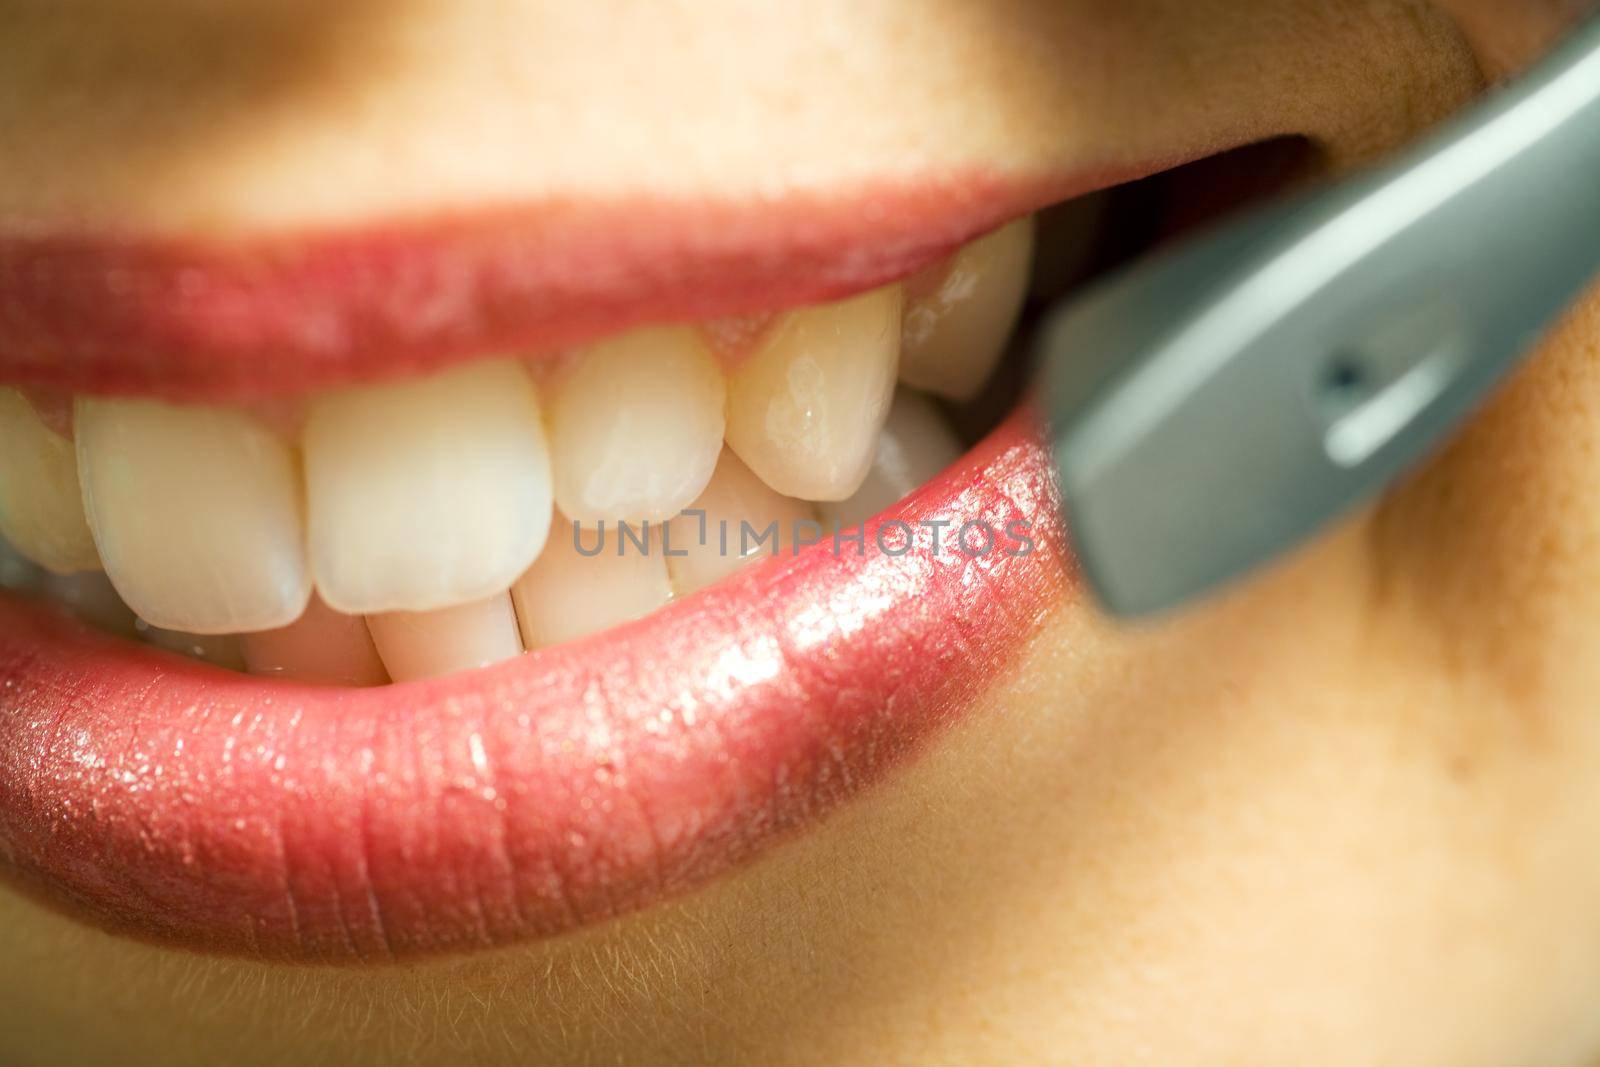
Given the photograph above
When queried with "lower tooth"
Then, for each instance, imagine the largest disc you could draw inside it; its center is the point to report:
(321, 647)
(915, 445)
(805, 408)
(196, 512)
(427, 644)
(954, 335)
(41, 507)
(219, 650)
(92, 598)
(735, 499)
(429, 493)
(583, 584)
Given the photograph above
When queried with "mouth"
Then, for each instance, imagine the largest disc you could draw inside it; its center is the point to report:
(412, 592)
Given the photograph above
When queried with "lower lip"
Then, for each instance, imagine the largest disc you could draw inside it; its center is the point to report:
(168, 801)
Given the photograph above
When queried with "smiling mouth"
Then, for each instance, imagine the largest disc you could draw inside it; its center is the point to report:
(421, 510)
(453, 650)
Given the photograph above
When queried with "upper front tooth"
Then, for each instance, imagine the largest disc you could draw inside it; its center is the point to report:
(41, 508)
(915, 445)
(954, 335)
(426, 494)
(636, 426)
(805, 408)
(196, 512)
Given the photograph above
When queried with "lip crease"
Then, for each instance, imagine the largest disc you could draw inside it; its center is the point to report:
(168, 801)
(249, 318)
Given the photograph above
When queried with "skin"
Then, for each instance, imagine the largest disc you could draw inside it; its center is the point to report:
(1343, 815)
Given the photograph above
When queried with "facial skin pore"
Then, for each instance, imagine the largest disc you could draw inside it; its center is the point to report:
(1345, 814)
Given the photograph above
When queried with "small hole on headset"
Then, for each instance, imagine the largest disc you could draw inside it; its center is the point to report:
(1344, 380)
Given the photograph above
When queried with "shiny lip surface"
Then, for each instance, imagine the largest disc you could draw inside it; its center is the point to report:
(265, 316)
(162, 799)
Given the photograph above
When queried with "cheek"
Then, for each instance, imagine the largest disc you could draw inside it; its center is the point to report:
(1506, 34)
(1494, 549)
(1363, 786)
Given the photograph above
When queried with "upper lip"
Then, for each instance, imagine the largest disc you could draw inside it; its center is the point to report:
(256, 316)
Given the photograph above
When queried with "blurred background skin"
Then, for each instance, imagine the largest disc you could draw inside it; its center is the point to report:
(1348, 815)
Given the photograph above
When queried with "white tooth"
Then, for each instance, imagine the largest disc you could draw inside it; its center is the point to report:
(91, 597)
(954, 335)
(916, 444)
(321, 647)
(196, 512)
(736, 498)
(426, 494)
(805, 408)
(430, 643)
(41, 508)
(579, 587)
(636, 425)
(219, 650)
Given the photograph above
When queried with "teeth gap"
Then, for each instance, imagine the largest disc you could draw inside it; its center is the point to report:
(1081, 240)
(402, 531)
